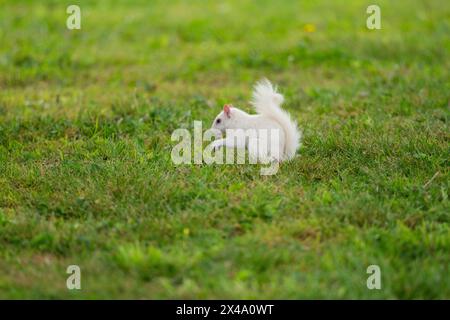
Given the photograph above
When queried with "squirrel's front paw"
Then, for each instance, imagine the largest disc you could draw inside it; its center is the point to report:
(217, 144)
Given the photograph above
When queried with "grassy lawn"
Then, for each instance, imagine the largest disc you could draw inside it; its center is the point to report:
(86, 177)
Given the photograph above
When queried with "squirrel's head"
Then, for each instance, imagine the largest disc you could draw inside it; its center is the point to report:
(224, 119)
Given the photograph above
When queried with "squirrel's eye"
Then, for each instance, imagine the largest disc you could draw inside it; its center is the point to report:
(218, 121)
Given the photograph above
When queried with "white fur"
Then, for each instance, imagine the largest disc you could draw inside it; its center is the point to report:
(267, 103)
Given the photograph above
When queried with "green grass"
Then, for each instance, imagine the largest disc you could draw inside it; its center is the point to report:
(86, 176)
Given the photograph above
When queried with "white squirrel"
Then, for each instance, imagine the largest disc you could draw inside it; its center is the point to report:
(270, 116)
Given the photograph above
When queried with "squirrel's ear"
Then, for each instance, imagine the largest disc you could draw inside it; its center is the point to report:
(227, 110)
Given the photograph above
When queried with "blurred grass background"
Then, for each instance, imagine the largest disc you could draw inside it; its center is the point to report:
(85, 171)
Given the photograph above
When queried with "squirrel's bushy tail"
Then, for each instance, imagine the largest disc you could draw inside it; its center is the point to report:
(267, 101)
